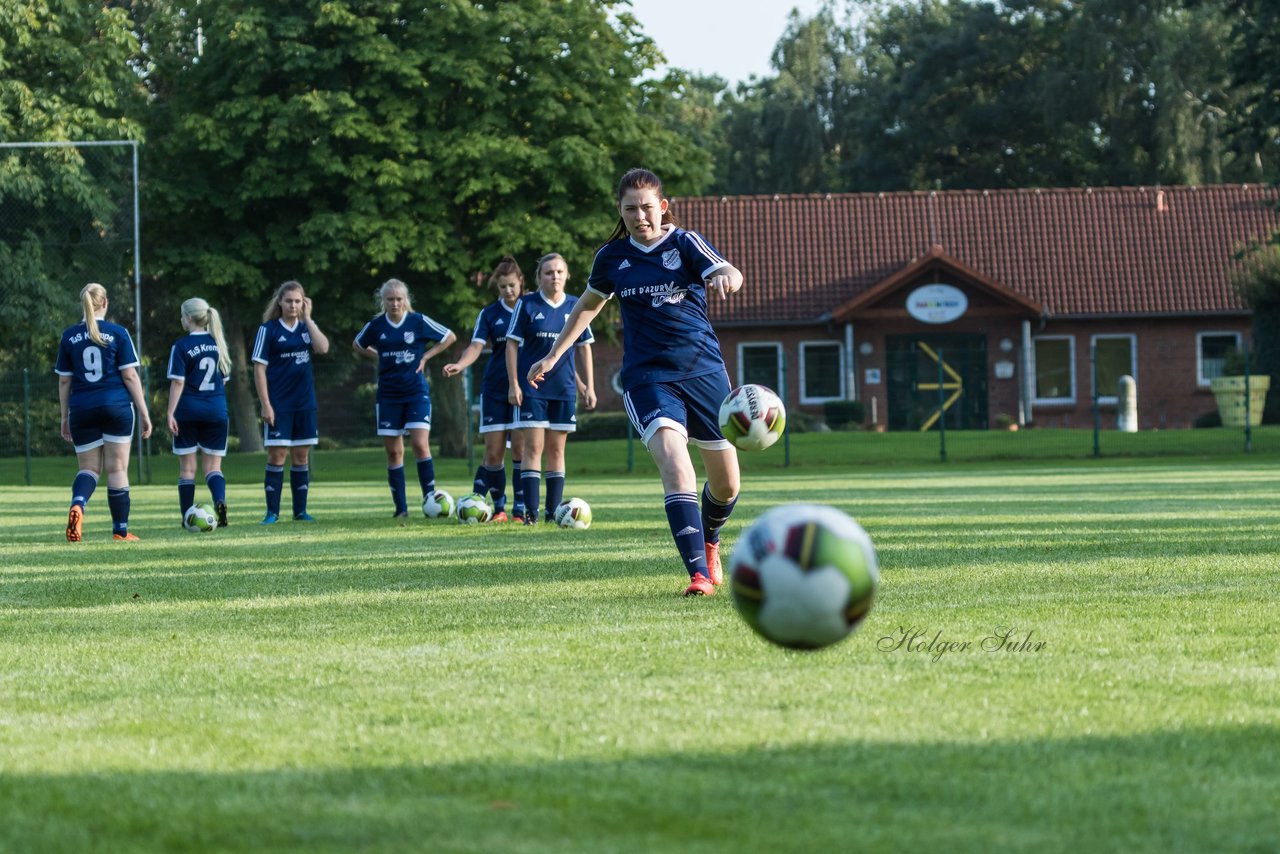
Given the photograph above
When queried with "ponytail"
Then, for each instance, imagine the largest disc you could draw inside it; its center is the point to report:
(93, 297)
(202, 315)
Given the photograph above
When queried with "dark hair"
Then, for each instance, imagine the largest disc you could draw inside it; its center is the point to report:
(506, 267)
(639, 179)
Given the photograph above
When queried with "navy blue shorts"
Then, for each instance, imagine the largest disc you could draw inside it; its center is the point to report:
(292, 429)
(496, 413)
(207, 436)
(550, 414)
(690, 406)
(92, 426)
(397, 417)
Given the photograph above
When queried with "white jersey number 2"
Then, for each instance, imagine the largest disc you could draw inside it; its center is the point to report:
(208, 365)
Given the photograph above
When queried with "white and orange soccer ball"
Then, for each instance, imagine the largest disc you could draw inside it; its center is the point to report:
(752, 417)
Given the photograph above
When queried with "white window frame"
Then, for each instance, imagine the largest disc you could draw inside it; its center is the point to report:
(777, 350)
(1200, 336)
(804, 364)
(1112, 399)
(1071, 359)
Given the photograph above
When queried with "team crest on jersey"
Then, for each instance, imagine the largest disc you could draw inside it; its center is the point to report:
(671, 259)
(306, 338)
(408, 338)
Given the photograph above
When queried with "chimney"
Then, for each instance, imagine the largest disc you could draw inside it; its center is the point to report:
(1161, 207)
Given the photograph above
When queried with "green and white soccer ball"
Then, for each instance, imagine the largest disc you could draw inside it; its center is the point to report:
(474, 509)
(574, 513)
(437, 505)
(752, 417)
(199, 519)
(804, 575)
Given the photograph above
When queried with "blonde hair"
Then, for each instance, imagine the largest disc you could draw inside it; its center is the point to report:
(273, 311)
(391, 285)
(93, 297)
(200, 313)
(550, 256)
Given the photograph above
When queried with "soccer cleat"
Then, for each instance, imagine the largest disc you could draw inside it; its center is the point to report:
(715, 572)
(500, 516)
(700, 585)
(517, 516)
(531, 519)
(399, 514)
(270, 519)
(126, 537)
(75, 523)
(221, 509)
(304, 516)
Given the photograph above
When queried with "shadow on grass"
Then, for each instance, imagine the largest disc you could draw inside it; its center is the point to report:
(1191, 790)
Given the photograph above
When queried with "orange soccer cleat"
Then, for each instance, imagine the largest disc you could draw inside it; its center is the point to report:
(700, 585)
(75, 523)
(714, 570)
(126, 537)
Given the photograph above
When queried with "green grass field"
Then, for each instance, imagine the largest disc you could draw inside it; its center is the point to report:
(359, 685)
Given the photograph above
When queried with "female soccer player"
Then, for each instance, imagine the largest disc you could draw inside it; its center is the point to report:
(673, 375)
(199, 366)
(546, 410)
(398, 338)
(287, 339)
(99, 393)
(496, 413)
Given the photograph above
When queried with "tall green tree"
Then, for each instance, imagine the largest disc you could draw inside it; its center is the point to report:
(66, 74)
(342, 142)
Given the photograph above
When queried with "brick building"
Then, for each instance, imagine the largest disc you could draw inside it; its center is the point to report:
(1004, 298)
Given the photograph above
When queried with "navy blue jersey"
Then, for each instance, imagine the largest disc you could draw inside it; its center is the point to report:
(666, 335)
(537, 325)
(286, 351)
(491, 328)
(194, 360)
(400, 347)
(95, 368)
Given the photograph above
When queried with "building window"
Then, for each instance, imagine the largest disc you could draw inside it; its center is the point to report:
(821, 371)
(760, 364)
(1116, 356)
(1055, 368)
(1211, 353)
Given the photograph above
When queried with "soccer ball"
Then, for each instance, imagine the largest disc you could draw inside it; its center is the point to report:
(199, 518)
(804, 575)
(437, 504)
(752, 417)
(474, 509)
(574, 513)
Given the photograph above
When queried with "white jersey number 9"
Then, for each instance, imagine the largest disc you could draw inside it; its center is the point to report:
(92, 364)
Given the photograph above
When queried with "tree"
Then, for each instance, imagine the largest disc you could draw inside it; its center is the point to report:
(341, 142)
(65, 74)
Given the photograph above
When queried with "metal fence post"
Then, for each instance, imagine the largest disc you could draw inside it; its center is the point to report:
(942, 412)
(1248, 419)
(786, 431)
(631, 453)
(1097, 413)
(26, 418)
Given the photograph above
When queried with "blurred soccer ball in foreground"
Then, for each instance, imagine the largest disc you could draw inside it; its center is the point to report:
(438, 504)
(474, 509)
(804, 575)
(752, 417)
(199, 518)
(574, 513)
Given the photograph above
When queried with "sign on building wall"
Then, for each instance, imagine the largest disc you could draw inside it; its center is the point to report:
(937, 303)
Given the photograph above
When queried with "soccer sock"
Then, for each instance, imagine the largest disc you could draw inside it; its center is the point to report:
(714, 514)
(555, 490)
(685, 522)
(118, 501)
(395, 479)
(530, 486)
(427, 475)
(517, 492)
(82, 487)
(217, 487)
(496, 480)
(299, 485)
(273, 486)
(480, 483)
(186, 495)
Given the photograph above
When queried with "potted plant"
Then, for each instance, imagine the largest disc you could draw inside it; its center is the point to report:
(1005, 421)
(1230, 392)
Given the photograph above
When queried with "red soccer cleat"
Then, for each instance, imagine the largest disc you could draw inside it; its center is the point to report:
(500, 516)
(714, 570)
(700, 585)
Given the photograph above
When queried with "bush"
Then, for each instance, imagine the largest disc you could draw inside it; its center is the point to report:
(1208, 419)
(844, 414)
(602, 425)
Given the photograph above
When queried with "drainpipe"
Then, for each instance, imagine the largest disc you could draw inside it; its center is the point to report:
(1028, 380)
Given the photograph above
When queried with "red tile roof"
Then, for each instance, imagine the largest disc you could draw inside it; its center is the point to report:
(1109, 251)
